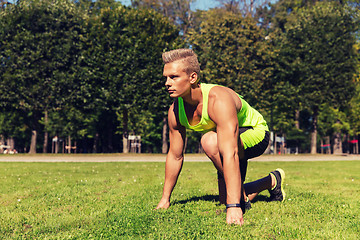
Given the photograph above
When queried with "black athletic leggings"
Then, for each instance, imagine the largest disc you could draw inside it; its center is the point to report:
(249, 153)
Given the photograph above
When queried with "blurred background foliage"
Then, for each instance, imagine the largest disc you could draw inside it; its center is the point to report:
(88, 74)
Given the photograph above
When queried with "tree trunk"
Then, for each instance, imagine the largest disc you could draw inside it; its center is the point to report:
(46, 142)
(33, 142)
(2, 142)
(337, 143)
(11, 143)
(46, 134)
(125, 143)
(57, 146)
(185, 144)
(314, 133)
(96, 140)
(322, 145)
(164, 136)
(110, 148)
(297, 119)
(354, 149)
(125, 133)
(275, 144)
(69, 144)
(327, 142)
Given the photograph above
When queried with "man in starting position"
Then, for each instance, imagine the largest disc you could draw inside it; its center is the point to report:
(234, 133)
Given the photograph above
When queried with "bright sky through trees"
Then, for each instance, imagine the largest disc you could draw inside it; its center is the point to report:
(199, 4)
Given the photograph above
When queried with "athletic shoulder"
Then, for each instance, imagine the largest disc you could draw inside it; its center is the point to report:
(217, 90)
(224, 95)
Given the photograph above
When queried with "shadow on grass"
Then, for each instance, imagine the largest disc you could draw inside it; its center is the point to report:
(260, 198)
(208, 198)
(215, 198)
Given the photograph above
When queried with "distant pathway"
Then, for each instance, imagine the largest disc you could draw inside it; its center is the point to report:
(161, 157)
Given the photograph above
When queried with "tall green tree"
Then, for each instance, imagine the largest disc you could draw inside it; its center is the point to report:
(177, 11)
(233, 52)
(123, 62)
(39, 52)
(245, 7)
(333, 124)
(275, 15)
(353, 112)
(14, 125)
(319, 44)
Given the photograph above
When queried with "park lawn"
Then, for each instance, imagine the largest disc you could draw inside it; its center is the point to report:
(116, 201)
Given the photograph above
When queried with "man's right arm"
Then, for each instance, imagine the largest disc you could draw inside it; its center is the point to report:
(175, 157)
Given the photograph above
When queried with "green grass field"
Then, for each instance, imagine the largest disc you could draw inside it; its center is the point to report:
(116, 201)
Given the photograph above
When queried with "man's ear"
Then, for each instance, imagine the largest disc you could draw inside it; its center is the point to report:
(193, 78)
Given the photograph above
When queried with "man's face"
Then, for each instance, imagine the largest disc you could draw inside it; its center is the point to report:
(178, 82)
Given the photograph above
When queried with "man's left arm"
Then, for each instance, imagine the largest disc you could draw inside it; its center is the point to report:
(222, 110)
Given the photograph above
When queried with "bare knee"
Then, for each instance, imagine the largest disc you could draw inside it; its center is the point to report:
(209, 144)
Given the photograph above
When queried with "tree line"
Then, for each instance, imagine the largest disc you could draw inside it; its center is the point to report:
(86, 75)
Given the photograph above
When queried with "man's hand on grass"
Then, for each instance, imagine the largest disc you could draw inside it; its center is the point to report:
(234, 216)
(163, 204)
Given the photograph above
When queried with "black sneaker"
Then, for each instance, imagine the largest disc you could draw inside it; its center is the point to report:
(247, 205)
(278, 193)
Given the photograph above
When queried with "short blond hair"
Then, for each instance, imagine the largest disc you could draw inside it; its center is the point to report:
(187, 56)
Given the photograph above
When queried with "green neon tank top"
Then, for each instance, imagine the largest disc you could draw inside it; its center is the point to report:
(247, 116)
(205, 124)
